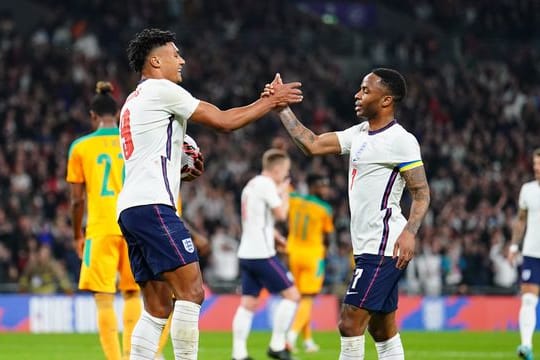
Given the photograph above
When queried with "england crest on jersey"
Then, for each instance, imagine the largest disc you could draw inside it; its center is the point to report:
(188, 245)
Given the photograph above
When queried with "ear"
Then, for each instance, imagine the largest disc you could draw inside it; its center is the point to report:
(93, 115)
(154, 61)
(387, 100)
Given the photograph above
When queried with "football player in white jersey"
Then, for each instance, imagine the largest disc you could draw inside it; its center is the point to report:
(384, 158)
(153, 122)
(265, 199)
(528, 218)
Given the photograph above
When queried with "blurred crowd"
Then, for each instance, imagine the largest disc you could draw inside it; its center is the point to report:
(477, 122)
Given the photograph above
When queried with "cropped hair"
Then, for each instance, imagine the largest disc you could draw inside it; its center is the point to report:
(314, 179)
(103, 103)
(272, 157)
(536, 152)
(393, 81)
(144, 42)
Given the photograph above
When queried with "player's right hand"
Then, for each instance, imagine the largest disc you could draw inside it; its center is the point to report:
(283, 94)
(79, 246)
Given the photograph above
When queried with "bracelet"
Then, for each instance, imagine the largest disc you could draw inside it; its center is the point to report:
(513, 248)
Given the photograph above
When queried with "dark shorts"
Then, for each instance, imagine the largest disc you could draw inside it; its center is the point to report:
(374, 284)
(268, 273)
(157, 241)
(530, 270)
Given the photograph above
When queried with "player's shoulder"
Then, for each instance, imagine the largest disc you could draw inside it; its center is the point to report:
(318, 202)
(530, 186)
(87, 139)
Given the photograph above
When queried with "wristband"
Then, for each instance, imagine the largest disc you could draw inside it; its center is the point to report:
(513, 248)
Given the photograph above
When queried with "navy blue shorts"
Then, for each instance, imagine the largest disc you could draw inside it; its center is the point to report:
(374, 284)
(157, 241)
(268, 273)
(530, 270)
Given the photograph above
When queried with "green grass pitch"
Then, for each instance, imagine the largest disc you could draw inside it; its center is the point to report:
(216, 346)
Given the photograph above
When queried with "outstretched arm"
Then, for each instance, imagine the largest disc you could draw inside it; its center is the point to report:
(305, 139)
(416, 182)
(232, 119)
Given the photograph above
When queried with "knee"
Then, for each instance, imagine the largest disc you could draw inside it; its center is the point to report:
(348, 328)
(381, 334)
(195, 294)
(249, 303)
(160, 308)
(292, 294)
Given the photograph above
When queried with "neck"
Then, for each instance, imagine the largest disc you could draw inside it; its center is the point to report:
(379, 122)
(107, 122)
(269, 174)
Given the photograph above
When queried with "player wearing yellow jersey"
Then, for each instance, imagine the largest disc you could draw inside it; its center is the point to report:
(310, 224)
(95, 172)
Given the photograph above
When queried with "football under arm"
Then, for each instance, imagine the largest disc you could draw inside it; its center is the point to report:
(416, 182)
(77, 197)
(305, 139)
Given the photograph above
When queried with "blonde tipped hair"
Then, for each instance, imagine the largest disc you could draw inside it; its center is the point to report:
(104, 87)
(536, 152)
(272, 157)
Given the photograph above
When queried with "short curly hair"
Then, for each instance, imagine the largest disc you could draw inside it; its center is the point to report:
(141, 45)
(393, 81)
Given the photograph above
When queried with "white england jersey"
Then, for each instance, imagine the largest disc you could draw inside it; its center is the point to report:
(375, 183)
(529, 199)
(259, 197)
(153, 122)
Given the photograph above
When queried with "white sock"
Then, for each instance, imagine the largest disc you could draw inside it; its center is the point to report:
(291, 338)
(283, 318)
(352, 348)
(391, 349)
(145, 337)
(527, 318)
(241, 327)
(185, 330)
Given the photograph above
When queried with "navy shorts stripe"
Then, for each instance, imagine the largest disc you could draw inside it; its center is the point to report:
(157, 241)
(374, 283)
(268, 273)
(530, 270)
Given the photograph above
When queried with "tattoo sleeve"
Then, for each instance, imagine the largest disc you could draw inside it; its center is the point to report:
(301, 135)
(416, 182)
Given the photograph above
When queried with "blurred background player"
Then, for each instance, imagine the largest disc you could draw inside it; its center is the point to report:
(265, 199)
(528, 218)
(310, 226)
(95, 171)
(384, 158)
(153, 122)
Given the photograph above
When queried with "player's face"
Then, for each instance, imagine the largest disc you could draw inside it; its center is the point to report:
(281, 171)
(536, 167)
(369, 98)
(171, 62)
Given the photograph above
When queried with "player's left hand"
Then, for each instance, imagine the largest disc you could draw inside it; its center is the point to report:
(79, 246)
(404, 246)
(197, 170)
(280, 242)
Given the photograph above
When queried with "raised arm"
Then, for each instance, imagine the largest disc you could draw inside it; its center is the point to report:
(305, 139)
(416, 183)
(235, 118)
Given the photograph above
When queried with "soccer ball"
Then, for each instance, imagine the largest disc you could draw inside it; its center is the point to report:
(190, 152)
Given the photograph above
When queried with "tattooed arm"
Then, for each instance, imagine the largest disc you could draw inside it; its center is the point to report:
(305, 139)
(416, 182)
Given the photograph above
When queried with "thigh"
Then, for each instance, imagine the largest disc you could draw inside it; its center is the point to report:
(251, 285)
(161, 237)
(127, 281)
(530, 271)
(374, 283)
(353, 320)
(274, 275)
(99, 264)
(310, 278)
